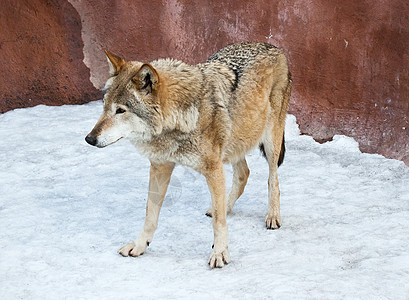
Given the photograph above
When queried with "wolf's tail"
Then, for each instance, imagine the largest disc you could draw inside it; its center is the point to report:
(282, 152)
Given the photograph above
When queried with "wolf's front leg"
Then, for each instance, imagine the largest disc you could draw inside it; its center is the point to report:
(216, 182)
(159, 178)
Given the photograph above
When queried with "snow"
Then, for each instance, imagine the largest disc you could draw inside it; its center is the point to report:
(66, 208)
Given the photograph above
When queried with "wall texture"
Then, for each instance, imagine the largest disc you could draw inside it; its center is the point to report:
(41, 57)
(349, 58)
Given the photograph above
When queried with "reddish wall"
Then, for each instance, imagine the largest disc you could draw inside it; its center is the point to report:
(349, 59)
(350, 64)
(41, 55)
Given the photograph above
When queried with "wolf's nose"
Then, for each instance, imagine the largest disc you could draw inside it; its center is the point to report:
(91, 140)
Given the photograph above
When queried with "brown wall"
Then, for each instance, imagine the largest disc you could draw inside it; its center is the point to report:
(41, 55)
(349, 58)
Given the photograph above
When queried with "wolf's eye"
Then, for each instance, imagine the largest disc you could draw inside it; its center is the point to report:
(120, 110)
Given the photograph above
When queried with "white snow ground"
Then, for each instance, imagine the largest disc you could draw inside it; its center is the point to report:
(66, 207)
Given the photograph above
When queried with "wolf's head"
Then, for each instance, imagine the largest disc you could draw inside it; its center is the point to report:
(131, 104)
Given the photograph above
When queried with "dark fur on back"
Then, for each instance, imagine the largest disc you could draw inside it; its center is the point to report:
(238, 56)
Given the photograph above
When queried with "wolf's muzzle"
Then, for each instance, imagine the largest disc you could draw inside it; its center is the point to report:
(91, 140)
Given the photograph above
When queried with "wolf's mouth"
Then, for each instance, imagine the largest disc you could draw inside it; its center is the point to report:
(104, 145)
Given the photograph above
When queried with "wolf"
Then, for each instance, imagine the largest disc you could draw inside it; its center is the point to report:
(200, 116)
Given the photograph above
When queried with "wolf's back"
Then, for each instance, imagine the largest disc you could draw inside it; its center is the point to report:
(241, 55)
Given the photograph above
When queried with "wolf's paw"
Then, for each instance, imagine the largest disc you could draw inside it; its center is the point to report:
(131, 249)
(219, 258)
(273, 221)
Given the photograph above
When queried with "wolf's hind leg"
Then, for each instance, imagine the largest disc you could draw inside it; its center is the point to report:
(240, 175)
(159, 178)
(273, 140)
(272, 145)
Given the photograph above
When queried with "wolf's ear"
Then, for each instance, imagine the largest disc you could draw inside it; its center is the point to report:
(115, 63)
(146, 78)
